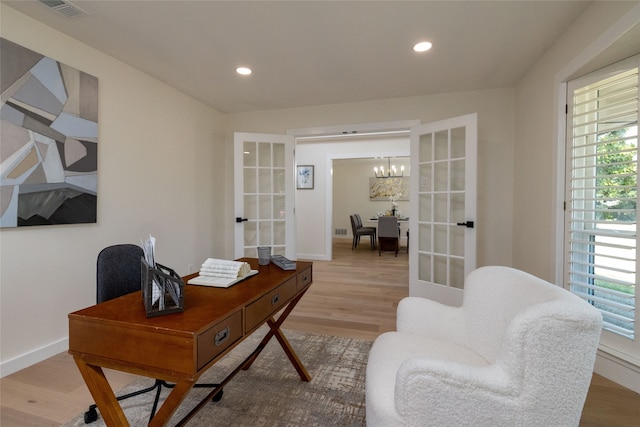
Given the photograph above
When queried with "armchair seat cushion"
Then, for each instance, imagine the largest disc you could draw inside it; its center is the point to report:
(390, 350)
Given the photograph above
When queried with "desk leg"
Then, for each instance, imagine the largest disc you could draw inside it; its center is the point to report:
(274, 329)
(293, 357)
(173, 401)
(102, 393)
(108, 404)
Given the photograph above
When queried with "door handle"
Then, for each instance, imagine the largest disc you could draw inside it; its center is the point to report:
(238, 219)
(468, 224)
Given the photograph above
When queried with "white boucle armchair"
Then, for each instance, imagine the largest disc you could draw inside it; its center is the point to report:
(518, 352)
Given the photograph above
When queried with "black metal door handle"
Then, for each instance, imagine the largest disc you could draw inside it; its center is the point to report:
(238, 219)
(468, 224)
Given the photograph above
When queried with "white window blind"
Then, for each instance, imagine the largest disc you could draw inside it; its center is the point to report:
(602, 183)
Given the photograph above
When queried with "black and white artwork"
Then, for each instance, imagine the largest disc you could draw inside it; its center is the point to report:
(49, 133)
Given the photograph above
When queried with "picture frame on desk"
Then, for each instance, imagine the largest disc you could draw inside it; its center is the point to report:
(304, 177)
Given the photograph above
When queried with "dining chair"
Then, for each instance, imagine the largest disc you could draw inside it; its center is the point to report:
(358, 231)
(407, 241)
(361, 226)
(388, 234)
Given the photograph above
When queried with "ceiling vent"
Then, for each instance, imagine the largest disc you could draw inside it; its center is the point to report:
(63, 7)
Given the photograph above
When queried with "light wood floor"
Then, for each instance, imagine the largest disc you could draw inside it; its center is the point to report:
(355, 295)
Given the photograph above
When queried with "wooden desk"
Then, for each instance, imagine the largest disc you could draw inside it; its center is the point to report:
(179, 347)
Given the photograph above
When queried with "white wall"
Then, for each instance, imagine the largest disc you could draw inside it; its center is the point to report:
(540, 100)
(157, 175)
(496, 119)
(538, 107)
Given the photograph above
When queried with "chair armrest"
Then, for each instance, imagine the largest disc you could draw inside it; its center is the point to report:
(449, 393)
(423, 316)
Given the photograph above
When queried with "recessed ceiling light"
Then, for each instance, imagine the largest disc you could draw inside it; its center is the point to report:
(243, 70)
(422, 46)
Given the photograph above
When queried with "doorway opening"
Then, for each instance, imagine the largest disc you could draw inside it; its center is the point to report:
(315, 227)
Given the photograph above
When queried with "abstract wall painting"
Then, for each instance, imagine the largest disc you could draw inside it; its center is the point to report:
(48, 140)
(385, 188)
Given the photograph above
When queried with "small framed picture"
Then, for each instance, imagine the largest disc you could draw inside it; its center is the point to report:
(304, 177)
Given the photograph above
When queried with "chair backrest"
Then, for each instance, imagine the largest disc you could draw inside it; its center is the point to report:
(539, 333)
(509, 292)
(358, 221)
(354, 224)
(118, 271)
(388, 227)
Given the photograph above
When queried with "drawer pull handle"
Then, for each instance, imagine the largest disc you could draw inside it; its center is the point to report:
(305, 278)
(275, 299)
(221, 336)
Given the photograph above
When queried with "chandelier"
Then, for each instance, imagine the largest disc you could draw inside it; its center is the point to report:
(390, 172)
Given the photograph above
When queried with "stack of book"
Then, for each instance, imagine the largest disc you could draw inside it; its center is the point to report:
(222, 273)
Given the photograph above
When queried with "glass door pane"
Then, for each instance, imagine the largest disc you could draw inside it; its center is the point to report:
(264, 183)
(444, 207)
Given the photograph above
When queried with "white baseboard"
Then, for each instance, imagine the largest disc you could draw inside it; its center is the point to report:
(313, 257)
(24, 361)
(617, 370)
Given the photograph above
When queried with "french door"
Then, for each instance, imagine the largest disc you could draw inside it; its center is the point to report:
(263, 190)
(443, 208)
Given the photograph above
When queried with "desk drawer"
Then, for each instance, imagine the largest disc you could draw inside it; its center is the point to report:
(304, 278)
(218, 338)
(269, 304)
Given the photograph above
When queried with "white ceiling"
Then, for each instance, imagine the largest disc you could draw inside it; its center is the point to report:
(318, 52)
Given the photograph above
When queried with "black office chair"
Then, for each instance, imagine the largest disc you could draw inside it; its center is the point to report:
(119, 272)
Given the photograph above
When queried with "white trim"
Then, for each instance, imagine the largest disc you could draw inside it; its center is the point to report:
(354, 129)
(617, 370)
(312, 257)
(328, 209)
(28, 359)
(599, 45)
(559, 179)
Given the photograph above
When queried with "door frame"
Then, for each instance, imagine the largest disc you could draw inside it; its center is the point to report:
(344, 132)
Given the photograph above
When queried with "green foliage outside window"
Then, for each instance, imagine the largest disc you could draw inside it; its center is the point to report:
(617, 177)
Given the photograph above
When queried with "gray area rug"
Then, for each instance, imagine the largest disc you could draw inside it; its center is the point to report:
(271, 393)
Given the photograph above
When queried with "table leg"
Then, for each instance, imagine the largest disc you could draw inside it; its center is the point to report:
(173, 400)
(293, 357)
(274, 329)
(108, 404)
(102, 393)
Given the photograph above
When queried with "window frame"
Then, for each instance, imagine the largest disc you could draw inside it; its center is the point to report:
(610, 342)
